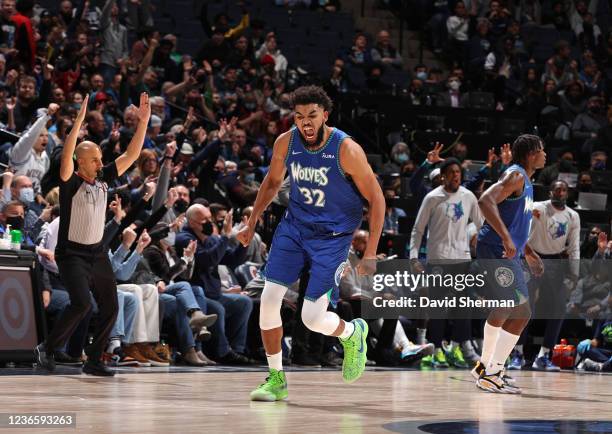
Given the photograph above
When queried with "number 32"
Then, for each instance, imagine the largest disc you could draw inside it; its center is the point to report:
(313, 195)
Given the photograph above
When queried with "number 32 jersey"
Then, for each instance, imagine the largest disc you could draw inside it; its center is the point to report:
(322, 196)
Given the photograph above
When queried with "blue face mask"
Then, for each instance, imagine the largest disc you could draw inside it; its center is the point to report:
(600, 165)
(421, 75)
(249, 177)
(26, 195)
(401, 158)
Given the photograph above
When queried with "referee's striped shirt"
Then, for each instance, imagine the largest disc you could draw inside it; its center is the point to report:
(83, 208)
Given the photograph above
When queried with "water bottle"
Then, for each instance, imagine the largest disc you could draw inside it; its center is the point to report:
(16, 237)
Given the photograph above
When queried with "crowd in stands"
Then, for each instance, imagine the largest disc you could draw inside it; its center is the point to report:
(187, 290)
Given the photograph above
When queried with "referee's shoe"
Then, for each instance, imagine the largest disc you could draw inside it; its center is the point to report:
(97, 368)
(43, 358)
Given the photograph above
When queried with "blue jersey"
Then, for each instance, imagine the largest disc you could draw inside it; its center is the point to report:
(515, 212)
(321, 195)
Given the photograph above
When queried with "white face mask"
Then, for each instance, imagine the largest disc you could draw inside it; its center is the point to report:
(170, 239)
(454, 85)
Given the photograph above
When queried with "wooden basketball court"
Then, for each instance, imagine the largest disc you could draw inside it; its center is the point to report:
(216, 400)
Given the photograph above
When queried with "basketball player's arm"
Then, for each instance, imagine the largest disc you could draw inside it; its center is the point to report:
(355, 164)
(497, 193)
(269, 187)
(67, 163)
(131, 154)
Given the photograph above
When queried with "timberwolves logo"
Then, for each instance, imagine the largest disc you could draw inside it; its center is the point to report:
(504, 276)
(557, 229)
(339, 271)
(454, 211)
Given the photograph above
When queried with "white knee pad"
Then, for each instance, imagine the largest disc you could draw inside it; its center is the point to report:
(316, 317)
(269, 310)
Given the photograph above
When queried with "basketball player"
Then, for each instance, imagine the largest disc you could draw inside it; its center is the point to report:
(81, 255)
(507, 207)
(329, 178)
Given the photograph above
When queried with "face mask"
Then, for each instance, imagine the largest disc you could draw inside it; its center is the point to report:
(558, 203)
(585, 187)
(595, 109)
(401, 158)
(180, 206)
(207, 228)
(26, 195)
(220, 225)
(566, 165)
(100, 175)
(454, 85)
(421, 75)
(600, 165)
(249, 177)
(359, 254)
(171, 238)
(250, 106)
(15, 222)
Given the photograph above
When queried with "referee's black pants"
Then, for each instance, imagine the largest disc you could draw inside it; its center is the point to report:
(81, 273)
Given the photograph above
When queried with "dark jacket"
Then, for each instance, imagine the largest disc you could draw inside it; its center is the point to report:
(209, 254)
(158, 263)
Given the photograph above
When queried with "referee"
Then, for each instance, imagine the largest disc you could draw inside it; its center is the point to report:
(80, 254)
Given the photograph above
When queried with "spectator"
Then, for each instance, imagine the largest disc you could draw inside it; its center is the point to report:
(384, 53)
(233, 309)
(458, 26)
(453, 97)
(565, 164)
(392, 213)
(359, 54)
(114, 40)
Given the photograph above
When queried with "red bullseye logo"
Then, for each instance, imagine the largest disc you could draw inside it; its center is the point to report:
(14, 312)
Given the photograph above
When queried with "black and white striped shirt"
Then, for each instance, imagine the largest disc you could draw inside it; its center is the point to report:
(83, 208)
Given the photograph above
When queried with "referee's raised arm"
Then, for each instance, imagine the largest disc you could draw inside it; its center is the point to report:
(67, 164)
(131, 154)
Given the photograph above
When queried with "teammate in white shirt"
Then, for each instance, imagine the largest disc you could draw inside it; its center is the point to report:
(446, 212)
(555, 236)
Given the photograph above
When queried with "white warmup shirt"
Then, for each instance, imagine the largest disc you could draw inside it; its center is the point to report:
(553, 231)
(446, 215)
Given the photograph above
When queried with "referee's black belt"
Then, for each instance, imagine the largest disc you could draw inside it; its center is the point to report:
(555, 256)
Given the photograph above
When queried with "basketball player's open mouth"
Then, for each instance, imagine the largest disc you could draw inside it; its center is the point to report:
(309, 133)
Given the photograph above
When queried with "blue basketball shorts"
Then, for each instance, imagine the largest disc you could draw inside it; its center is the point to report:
(296, 248)
(506, 279)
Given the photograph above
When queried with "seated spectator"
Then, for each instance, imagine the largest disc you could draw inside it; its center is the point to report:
(453, 97)
(565, 164)
(478, 47)
(20, 188)
(233, 309)
(599, 161)
(392, 214)
(573, 102)
(400, 154)
(359, 54)
(384, 53)
(586, 125)
(257, 251)
(558, 17)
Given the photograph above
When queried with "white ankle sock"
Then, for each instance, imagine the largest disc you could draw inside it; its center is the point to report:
(349, 328)
(543, 351)
(113, 343)
(519, 349)
(275, 361)
(488, 343)
(505, 343)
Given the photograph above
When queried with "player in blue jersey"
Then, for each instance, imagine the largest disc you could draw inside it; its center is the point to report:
(502, 242)
(330, 182)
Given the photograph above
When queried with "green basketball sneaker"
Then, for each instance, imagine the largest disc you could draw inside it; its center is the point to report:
(274, 389)
(355, 351)
(439, 359)
(455, 358)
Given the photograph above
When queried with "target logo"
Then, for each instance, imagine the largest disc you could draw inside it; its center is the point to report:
(14, 311)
